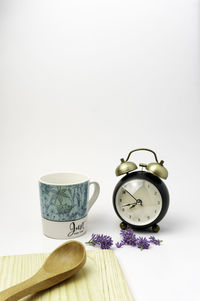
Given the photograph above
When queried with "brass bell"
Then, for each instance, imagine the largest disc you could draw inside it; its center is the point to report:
(125, 167)
(158, 169)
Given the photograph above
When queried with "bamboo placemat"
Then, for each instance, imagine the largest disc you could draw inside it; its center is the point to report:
(101, 279)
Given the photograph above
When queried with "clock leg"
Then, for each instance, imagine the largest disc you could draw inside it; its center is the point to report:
(123, 225)
(155, 228)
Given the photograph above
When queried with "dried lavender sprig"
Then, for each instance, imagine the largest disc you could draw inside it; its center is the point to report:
(128, 238)
(142, 243)
(154, 241)
(104, 241)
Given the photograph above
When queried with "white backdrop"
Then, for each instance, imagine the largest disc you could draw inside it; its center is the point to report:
(81, 84)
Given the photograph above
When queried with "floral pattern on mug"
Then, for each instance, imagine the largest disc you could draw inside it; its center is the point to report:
(64, 203)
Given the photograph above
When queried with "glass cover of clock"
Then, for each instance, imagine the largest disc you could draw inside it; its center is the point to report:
(138, 202)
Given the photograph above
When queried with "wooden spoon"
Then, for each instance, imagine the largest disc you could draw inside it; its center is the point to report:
(61, 264)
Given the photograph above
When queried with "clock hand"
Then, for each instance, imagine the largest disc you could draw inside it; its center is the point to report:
(137, 200)
(133, 204)
(130, 194)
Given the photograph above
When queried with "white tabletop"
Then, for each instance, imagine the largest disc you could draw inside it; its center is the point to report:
(82, 84)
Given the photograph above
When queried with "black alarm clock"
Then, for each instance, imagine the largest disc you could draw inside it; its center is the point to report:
(141, 198)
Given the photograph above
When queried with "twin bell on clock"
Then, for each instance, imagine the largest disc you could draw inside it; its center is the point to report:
(141, 198)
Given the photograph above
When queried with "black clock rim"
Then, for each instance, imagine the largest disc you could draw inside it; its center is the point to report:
(160, 185)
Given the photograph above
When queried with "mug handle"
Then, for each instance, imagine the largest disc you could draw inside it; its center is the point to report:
(95, 194)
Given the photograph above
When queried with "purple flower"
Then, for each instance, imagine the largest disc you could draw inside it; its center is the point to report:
(154, 241)
(128, 238)
(104, 241)
(142, 243)
(119, 244)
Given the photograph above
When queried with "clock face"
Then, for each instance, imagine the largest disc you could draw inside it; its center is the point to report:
(138, 202)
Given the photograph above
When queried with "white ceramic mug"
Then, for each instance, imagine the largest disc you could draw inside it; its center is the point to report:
(65, 203)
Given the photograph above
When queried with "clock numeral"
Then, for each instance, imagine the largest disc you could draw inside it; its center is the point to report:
(138, 219)
(148, 185)
(130, 216)
(158, 202)
(155, 211)
(123, 209)
(155, 192)
(148, 217)
(120, 200)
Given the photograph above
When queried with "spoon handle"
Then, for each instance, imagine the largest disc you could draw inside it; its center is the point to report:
(22, 289)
